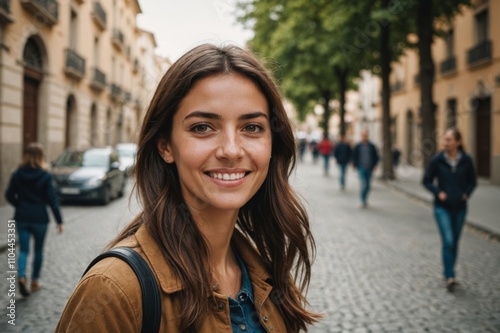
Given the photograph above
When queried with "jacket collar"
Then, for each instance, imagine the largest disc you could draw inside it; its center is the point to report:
(170, 283)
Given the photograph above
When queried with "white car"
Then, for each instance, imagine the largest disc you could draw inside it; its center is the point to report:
(126, 154)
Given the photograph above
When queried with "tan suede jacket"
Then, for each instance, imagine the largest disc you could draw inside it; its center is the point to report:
(108, 298)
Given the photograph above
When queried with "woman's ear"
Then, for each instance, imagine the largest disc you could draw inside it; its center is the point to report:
(165, 150)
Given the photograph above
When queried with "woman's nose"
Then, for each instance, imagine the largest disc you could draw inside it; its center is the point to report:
(230, 146)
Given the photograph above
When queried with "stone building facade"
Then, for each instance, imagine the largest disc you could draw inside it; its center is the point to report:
(73, 73)
(466, 90)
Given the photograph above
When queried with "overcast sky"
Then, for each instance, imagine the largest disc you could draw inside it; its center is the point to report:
(179, 25)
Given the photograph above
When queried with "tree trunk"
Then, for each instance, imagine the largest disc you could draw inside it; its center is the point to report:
(386, 58)
(328, 111)
(425, 36)
(342, 77)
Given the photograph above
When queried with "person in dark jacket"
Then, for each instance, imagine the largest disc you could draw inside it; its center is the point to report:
(342, 154)
(454, 172)
(365, 159)
(30, 190)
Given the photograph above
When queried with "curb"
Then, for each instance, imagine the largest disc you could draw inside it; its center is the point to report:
(489, 234)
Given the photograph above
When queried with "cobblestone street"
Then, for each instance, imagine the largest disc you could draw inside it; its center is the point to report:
(377, 269)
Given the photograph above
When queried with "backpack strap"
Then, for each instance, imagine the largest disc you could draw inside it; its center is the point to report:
(151, 299)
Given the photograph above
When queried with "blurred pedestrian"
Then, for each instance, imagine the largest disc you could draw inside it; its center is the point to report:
(30, 190)
(396, 155)
(302, 148)
(325, 148)
(365, 159)
(342, 154)
(314, 150)
(209, 161)
(451, 177)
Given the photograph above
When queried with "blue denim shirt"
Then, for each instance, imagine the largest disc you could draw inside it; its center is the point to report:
(244, 317)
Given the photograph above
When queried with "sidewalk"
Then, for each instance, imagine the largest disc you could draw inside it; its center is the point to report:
(483, 209)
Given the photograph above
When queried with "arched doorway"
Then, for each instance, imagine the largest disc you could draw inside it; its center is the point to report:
(483, 135)
(33, 75)
(93, 125)
(70, 139)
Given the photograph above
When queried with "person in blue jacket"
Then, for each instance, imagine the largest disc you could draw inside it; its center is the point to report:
(30, 190)
(451, 177)
(342, 154)
(365, 159)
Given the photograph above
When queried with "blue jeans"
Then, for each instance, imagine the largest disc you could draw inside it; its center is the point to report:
(450, 224)
(25, 230)
(365, 177)
(327, 163)
(342, 168)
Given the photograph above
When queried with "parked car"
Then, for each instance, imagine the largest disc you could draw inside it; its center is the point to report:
(127, 153)
(92, 174)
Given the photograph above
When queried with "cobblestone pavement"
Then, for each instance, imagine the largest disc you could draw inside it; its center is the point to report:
(377, 269)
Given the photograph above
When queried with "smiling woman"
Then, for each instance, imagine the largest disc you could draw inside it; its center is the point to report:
(222, 230)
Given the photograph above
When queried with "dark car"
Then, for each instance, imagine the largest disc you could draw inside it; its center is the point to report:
(92, 175)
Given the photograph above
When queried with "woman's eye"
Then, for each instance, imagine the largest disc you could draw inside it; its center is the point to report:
(201, 128)
(253, 128)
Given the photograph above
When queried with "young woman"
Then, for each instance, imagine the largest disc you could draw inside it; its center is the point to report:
(30, 190)
(456, 179)
(221, 228)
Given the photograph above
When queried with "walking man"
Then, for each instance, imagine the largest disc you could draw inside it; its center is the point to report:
(342, 154)
(365, 159)
(325, 148)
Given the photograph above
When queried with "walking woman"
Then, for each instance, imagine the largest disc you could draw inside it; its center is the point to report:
(454, 172)
(30, 190)
(225, 235)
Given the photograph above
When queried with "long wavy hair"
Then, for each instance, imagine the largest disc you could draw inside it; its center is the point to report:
(273, 219)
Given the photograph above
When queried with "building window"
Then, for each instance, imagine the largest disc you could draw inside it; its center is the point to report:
(450, 43)
(96, 52)
(73, 30)
(481, 24)
(451, 113)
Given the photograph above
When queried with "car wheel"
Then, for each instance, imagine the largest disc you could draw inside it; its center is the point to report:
(106, 195)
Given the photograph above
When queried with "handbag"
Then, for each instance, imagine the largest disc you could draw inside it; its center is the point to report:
(151, 299)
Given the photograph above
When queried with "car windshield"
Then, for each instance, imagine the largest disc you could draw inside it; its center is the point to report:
(83, 159)
(126, 152)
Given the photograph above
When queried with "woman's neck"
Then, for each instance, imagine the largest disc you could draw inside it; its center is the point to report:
(217, 226)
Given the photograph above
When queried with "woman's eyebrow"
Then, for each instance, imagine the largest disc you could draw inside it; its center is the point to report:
(203, 114)
(211, 115)
(253, 115)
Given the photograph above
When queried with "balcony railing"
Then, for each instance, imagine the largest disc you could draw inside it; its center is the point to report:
(5, 16)
(397, 86)
(479, 53)
(98, 80)
(75, 64)
(118, 39)
(46, 11)
(449, 65)
(116, 93)
(99, 15)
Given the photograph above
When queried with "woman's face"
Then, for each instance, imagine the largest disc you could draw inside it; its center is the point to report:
(220, 142)
(450, 143)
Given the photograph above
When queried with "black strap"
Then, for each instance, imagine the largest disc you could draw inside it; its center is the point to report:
(151, 299)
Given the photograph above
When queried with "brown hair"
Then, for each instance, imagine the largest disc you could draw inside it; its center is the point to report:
(273, 219)
(458, 137)
(33, 156)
